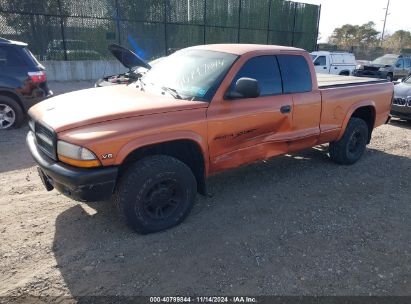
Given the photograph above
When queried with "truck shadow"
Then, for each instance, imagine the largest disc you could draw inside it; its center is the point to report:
(297, 224)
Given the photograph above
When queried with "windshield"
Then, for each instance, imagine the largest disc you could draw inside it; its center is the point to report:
(385, 60)
(313, 57)
(190, 73)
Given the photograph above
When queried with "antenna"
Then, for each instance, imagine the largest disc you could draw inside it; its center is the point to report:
(385, 21)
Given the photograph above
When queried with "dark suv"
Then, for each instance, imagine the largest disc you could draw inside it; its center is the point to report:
(23, 83)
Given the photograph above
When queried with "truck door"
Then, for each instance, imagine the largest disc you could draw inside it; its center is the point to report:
(321, 65)
(408, 66)
(399, 69)
(298, 83)
(245, 130)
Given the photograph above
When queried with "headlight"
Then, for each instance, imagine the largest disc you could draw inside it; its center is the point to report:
(76, 155)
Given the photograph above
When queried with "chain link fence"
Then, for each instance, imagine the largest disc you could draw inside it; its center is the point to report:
(81, 30)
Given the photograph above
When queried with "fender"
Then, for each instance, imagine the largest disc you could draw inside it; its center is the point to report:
(351, 110)
(154, 139)
(12, 94)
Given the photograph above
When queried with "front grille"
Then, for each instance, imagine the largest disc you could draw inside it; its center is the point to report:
(371, 68)
(402, 102)
(46, 139)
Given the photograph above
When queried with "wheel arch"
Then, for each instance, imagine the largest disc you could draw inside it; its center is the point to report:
(13, 96)
(364, 110)
(186, 150)
(345, 73)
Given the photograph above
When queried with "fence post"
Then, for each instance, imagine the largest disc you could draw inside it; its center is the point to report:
(118, 21)
(165, 27)
(239, 21)
(318, 27)
(269, 19)
(204, 20)
(295, 13)
(62, 30)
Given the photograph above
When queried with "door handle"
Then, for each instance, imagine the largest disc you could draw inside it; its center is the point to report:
(324, 68)
(285, 109)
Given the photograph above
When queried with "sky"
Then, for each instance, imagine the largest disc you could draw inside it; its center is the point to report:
(335, 13)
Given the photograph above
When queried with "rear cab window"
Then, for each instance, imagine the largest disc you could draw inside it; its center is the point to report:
(296, 74)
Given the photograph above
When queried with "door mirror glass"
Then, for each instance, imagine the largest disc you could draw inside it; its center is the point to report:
(245, 88)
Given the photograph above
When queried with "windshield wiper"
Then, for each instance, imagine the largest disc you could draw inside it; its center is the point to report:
(172, 92)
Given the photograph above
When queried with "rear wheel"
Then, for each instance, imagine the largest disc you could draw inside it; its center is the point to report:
(156, 193)
(11, 114)
(351, 146)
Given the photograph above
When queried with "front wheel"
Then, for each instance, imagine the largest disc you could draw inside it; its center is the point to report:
(351, 146)
(390, 77)
(156, 193)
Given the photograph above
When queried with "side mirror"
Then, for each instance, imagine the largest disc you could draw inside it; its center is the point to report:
(317, 63)
(245, 88)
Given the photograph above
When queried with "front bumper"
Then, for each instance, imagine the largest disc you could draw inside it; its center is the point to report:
(402, 113)
(370, 74)
(86, 185)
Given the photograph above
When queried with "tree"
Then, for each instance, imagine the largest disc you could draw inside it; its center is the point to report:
(399, 40)
(350, 35)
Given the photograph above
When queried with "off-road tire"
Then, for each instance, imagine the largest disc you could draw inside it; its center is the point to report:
(351, 146)
(144, 183)
(18, 112)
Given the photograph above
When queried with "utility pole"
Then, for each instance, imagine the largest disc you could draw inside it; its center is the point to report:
(385, 21)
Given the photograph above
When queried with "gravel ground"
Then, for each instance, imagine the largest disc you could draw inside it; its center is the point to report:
(295, 225)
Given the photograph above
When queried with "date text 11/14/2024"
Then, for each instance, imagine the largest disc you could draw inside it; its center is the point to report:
(203, 299)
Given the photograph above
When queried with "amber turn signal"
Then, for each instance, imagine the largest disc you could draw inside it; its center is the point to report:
(80, 163)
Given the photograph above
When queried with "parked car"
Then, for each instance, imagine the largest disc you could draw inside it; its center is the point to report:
(136, 66)
(23, 83)
(151, 147)
(401, 105)
(389, 66)
(334, 63)
(75, 50)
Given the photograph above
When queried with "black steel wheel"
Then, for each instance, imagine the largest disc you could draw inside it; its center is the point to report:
(156, 193)
(351, 146)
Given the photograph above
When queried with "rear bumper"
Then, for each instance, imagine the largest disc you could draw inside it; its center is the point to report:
(87, 185)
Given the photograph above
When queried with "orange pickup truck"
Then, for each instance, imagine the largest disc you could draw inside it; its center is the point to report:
(150, 145)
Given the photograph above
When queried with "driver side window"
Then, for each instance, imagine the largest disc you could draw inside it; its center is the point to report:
(320, 61)
(400, 64)
(265, 70)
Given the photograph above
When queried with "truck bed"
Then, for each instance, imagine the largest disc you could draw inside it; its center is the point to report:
(331, 81)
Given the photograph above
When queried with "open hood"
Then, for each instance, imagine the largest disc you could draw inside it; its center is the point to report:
(128, 58)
